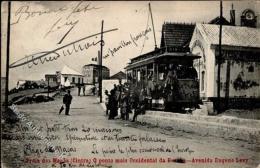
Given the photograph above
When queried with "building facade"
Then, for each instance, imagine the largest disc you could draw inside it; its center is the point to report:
(65, 77)
(91, 73)
(240, 62)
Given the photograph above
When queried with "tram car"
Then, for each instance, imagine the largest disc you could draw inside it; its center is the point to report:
(166, 80)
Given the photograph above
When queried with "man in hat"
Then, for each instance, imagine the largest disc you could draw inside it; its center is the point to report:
(66, 101)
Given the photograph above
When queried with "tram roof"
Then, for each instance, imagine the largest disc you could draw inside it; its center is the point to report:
(157, 54)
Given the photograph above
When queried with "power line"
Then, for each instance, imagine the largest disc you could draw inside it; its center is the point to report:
(148, 17)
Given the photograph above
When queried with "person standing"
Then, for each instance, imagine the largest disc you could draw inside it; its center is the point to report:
(113, 105)
(79, 88)
(125, 106)
(84, 89)
(66, 101)
(107, 101)
(94, 90)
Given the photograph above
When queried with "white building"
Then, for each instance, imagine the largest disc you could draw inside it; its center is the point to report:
(70, 76)
(240, 66)
(65, 77)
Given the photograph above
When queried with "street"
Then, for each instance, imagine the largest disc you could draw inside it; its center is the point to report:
(88, 139)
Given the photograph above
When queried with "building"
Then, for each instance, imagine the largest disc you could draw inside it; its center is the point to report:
(120, 76)
(52, 79)
(240, 63)
(91, 71)
(65, 77)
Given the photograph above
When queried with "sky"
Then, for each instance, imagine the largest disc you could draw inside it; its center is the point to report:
(40, 27)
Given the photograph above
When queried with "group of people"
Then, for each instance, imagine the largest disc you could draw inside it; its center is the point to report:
(120, 100)
(83, 89)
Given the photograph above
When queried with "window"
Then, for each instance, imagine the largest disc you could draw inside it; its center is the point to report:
(65, 79)
(73, 79)
(202, 80)
(138, 76)
(251, 69)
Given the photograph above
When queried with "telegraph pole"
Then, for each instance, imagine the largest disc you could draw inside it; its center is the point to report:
(7, 56)
(219, 56)
(100, 62)
(150, 10)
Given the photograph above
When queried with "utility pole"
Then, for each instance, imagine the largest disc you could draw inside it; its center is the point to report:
(100, 62)
(219, 56)
(7, 56)
(150, 10)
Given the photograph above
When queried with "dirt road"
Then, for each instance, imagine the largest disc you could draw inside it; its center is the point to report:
(87, 139)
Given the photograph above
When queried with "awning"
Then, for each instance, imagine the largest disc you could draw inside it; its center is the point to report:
(175, 55)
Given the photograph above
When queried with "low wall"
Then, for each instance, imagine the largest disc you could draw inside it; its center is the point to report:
(226, 127)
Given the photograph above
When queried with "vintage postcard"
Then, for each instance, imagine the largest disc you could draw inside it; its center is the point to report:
(130, 84)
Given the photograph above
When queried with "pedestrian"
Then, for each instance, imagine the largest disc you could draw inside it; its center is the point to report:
(66, 101)
(125, 106)
(79, 88)
(139, 110)
(141, 101)
(107, 101)
(94, 90)
(113, 105)
(84, 89)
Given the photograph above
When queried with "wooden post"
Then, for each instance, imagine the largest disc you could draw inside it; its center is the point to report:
(100, 57)
(48, 87)
(227, 83)
(219, 57)
(157, 72)
(7, 56)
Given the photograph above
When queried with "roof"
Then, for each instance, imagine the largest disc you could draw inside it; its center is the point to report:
(50, 75)
(95, 65)
(217, 20)
(119, 75)
(68, 71)
(231, 35)
(176, 34)
(151, 58)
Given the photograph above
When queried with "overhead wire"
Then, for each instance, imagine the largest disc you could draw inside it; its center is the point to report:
(147, 24)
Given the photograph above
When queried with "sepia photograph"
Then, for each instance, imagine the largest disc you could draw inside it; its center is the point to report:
(135, 84)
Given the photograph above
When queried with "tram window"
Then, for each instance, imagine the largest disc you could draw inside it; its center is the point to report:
(161, 76)
(202, 80)
(138, 76)
(251, 69)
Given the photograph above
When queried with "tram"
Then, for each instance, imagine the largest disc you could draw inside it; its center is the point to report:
(167, 80)
(166, 76)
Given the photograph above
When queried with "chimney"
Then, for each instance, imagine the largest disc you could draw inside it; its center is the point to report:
(232, 16)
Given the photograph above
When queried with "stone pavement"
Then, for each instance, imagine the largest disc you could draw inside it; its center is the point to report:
(87, 136)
